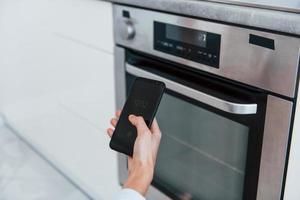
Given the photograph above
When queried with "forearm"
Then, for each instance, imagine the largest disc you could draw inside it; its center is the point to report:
(140, 179)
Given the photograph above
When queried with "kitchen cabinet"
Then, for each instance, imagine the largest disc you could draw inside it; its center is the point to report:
(57, 88)
(68, 128)
(74, 146)
(35, 36)
(87, 22)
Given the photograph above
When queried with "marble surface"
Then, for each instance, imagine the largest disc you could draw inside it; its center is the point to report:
(286, 22)
(284, 5)
(24, 175)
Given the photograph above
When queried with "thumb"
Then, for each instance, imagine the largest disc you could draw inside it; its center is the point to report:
(139, 123)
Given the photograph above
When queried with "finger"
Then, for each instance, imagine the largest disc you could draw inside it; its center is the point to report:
(139, 123)
(114, 122)
(155, 129)
(118, 113)
(110, 132)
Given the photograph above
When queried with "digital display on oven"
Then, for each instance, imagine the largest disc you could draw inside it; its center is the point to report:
(189, 36)
(196, 45)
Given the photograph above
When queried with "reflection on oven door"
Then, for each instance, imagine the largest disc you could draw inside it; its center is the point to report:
(202, 154)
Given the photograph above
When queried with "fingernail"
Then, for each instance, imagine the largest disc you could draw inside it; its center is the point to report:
(131, 117)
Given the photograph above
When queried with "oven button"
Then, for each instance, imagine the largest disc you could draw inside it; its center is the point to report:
(215, 59)
(180, 48)
(128, 30)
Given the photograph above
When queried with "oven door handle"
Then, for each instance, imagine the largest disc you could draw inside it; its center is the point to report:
(226, 106)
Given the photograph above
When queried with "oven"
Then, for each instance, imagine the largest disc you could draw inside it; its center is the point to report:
(227, 111)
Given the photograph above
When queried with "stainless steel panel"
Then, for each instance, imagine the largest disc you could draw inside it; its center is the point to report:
(119, 70)
(273, 70)
(277, 126)
(120, 88)
(226, 106)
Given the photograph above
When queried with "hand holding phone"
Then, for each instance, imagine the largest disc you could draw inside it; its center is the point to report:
(143, 100)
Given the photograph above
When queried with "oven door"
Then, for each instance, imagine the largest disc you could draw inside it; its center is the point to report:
(212, 133)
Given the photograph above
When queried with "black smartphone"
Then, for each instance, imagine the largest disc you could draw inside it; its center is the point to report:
(143, 100)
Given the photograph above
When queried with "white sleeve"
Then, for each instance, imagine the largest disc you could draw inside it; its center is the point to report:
(129, 194)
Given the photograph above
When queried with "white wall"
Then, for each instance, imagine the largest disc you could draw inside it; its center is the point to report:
(57, 87)
(292, 191)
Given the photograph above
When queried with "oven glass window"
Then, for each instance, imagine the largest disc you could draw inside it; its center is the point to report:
(202, 154)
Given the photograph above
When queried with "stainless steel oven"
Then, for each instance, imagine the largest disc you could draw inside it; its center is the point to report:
(227, 112)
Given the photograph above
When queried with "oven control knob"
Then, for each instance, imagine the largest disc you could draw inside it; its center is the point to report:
(128, 30)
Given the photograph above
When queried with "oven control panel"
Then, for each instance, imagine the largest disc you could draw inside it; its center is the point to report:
(191, 44)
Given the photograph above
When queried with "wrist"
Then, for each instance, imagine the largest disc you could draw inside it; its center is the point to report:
(140, 179)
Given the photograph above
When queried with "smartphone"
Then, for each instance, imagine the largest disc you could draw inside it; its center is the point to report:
(143, 100)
